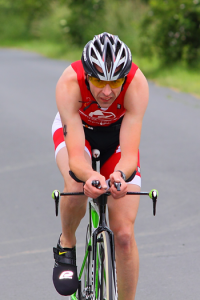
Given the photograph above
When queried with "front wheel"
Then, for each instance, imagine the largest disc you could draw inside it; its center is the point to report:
(105, 279)
(86, 281)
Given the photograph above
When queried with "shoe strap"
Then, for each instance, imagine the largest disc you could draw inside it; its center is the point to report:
(63, 258)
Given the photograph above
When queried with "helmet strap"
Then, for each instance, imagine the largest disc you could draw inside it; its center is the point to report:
(87, 84)
(88, 87)
(123, 84)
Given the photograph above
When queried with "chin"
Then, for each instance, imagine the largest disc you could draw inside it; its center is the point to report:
(105, 104)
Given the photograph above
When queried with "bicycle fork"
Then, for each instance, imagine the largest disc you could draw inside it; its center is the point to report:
(95, 240)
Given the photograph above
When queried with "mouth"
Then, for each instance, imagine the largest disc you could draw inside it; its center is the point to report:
(105, 99)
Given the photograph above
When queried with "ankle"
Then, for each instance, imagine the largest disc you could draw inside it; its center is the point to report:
(66, 243)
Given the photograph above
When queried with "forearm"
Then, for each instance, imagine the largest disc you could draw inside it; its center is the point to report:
(127, 165)
(81, 168)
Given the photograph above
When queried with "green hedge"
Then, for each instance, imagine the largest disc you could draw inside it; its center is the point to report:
(167, 29)
(171, 29)
(18, 17)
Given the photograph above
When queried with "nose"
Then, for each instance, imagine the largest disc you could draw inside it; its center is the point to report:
(107, 90)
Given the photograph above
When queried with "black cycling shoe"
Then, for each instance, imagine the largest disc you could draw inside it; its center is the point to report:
(65, 277)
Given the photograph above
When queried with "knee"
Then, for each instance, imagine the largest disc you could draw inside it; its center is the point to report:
(73, 187)
(124, 239)
(75, 202)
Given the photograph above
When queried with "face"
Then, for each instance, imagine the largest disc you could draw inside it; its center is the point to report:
(104, 96)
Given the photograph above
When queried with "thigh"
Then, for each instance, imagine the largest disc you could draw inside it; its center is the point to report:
(123, 211)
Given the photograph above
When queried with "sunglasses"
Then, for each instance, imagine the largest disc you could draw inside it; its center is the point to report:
(101, 83)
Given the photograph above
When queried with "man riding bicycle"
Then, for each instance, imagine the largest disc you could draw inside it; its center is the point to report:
(101, 102)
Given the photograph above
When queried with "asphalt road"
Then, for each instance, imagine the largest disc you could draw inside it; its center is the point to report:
(169, 244)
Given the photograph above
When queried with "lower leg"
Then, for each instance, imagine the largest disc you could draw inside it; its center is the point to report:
(72, 210)
(122, 215)
(127, 261)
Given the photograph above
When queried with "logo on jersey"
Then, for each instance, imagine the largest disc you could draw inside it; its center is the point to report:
(66, 275)
(102, 115)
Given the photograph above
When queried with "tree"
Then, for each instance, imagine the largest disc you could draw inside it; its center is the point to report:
(27, 10)
(85, 20)
(172, 29)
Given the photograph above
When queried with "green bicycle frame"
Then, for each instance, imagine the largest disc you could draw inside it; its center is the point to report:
(94, 220)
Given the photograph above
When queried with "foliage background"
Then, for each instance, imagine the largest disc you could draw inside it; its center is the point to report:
(163, 35)
(172, 30)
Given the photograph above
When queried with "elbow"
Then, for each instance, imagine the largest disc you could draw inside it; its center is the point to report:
(72, 165)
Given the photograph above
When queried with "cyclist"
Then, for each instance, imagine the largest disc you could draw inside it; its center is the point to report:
(101, 102)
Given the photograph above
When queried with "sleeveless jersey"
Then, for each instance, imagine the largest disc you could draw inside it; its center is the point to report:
(90, 112)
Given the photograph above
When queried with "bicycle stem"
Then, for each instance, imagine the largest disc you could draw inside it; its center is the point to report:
(102, 210)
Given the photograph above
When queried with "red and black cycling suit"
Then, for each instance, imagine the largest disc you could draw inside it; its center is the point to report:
(101, 126)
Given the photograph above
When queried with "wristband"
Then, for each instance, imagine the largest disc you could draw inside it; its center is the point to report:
(122, 174)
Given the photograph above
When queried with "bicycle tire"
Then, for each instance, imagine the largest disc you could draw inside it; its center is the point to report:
(86, 282)
(105, 286)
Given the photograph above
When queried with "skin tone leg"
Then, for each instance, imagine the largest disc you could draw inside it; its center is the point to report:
(122, 215)
(72, 208)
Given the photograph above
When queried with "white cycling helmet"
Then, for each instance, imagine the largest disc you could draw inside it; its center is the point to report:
(109, 53)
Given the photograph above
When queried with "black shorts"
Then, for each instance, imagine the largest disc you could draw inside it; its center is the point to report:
(105, 139)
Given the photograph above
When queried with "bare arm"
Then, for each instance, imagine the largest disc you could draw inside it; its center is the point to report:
(136, 100)
(68, 99)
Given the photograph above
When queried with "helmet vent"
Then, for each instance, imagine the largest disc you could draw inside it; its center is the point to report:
(106, 57)
(102, 38)
(111, 40)
(109, 57)
(93, 54)
(123, 53)
(98, 47)
(118, 46)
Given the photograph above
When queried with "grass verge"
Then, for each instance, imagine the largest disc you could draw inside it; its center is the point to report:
(178, 77)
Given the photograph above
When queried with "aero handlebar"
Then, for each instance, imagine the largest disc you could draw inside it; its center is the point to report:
(153, 194)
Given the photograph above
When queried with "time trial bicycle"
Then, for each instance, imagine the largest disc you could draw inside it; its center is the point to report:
(97, 276)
